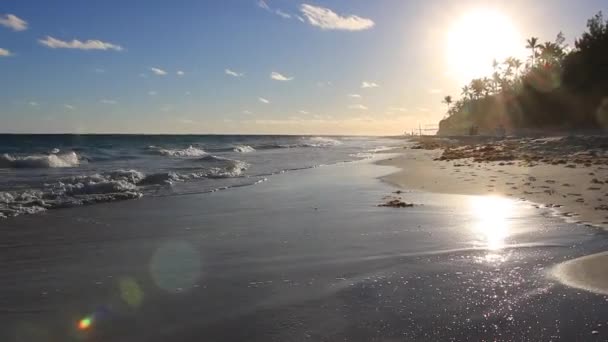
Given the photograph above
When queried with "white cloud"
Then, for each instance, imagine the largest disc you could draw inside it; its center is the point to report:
(358, 106)
(91, 44)
(366, 84)
(435, 91)
(397, 109)
(33, 103)
(328, 20)
(300, 18)
(263, 100)
(354, 96)
(157, 71)
(247, 112)
(108, 102)
(5, 53)
(324, 84)
(68, 106)
(13, 22)
(303, 112)
(180, 73)
(99, 70)
(278, 77)
(152, 93)
(233, 73)
(282, 14)
(188, 93)
(263, 4)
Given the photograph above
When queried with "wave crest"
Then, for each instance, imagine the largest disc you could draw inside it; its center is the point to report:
(68, 159)
(243, 149)
(191, 151)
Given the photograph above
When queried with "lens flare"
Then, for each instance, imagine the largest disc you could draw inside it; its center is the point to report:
(85, 323)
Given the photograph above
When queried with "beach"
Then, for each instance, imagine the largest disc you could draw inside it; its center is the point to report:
(308, 255)
(554, 173)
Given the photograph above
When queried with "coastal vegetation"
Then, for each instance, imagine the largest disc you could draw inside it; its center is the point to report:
(558, 89)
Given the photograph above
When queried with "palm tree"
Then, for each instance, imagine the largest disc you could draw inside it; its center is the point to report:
(448, 101)
(477, 87)
(532, 45)
(517, 65)
(466, 92)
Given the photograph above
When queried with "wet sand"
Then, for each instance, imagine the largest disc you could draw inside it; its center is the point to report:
(307, 256)
(577, 192)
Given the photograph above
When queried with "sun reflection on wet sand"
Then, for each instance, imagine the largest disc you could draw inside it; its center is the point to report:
(491, 220)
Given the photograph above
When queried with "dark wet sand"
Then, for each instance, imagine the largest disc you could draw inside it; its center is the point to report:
(307, 256)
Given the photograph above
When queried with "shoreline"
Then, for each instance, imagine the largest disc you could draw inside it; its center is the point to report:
(422, 170)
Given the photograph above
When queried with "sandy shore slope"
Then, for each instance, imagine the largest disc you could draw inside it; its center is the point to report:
(572, 181)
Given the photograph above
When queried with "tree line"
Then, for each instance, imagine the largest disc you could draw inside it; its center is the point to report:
(557, 89)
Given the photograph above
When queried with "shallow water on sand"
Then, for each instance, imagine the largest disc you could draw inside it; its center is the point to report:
(312, 260)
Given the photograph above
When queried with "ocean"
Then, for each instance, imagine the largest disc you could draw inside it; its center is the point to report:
(42, 172)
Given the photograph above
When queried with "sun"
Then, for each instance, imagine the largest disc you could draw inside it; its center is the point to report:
(476, 39)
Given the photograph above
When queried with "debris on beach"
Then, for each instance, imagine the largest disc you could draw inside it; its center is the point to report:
(396, 203)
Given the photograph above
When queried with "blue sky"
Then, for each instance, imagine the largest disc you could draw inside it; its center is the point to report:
(321, 52)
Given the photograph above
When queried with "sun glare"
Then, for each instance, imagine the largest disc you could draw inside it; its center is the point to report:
(476, 39)
(491, 224)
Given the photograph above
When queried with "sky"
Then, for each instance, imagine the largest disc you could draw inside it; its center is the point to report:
(254, 67)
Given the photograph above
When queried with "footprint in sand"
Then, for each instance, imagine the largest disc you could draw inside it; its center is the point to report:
(550, 181)
(573, 194)
(566, 185)
(594, 189)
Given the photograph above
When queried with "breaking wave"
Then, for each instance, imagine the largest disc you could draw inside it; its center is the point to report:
(105, 187)
(68, 159)
(321, 142)
(243, 149)
(191, 151)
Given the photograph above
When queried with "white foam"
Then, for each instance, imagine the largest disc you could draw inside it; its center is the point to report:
(191, 151)
(243, 149)
(69, 159)
(321, 142)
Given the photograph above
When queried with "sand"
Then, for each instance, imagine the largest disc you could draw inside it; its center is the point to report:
(577, 191)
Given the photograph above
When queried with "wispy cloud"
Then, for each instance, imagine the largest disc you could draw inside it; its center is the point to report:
(327, 19)
(423, 109)
(99, 70)
(233, 73)
(303, 112)
(247, 112)
(152, 93)
(282, 14)
(366, 84)
(300, 18)
(180, 73)
(264, 5)
(68, 106)
(13, 22)
(278, 77)
(354, 96)
(33, 103)
(158, 71)
(5, 53)
(358, 106)
(263, 100)
(108, 102)
(435, 91)
(91, 44)
(397, 109)
(324, 84)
